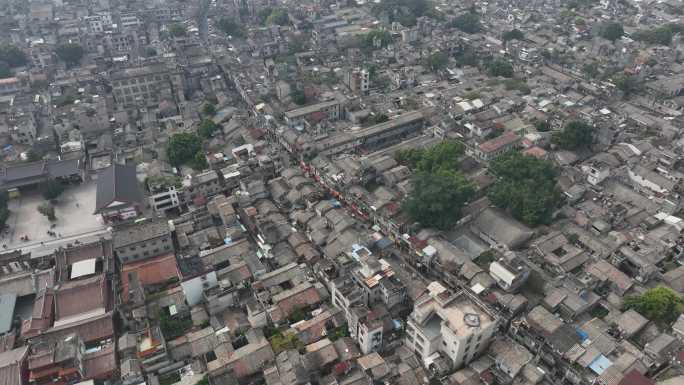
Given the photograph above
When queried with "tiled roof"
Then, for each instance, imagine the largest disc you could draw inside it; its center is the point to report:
(117, 183)
(149, 272)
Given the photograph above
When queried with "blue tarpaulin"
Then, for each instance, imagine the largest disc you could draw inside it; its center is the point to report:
(600, 364)
(582, 334)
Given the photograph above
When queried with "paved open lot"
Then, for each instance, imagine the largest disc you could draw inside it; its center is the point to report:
(74, 212)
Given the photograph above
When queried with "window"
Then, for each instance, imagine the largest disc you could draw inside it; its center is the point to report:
(132, 248)
(146, 253)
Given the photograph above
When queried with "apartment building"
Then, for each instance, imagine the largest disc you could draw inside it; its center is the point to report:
(165, 198)
(146, 85)
(332, 110)
(358, 81)
(450, 327)
(142, 240)
(374, 137)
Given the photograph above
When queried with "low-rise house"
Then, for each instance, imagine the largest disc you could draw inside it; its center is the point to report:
(509, 274)
(497, 228)
(150, 273)
(560, 255)
(498, 146)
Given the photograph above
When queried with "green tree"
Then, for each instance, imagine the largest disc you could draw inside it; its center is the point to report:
(525, 186)
(514, 34)
(437, 61)
(443, 156)
(436, 198)
(177, 30)
(612, 31)
(628, 84)
(591, 69)
(659, 35)
(468, 57)
(12, 56)
(380, 118)
(51, 189)
(517, 84)
(5, 71)
(48, 210)
(661, 305)
(231, 27)
(468, 22)
(4, 210)
(70, 53)
(542, 125)
(199, 161)
(285, 341)
(376, 39)
(500, 67)
(207, 128)
(34, 154)
(173, 328)
(298, 97)
(208, 109)
(150, 52)
(278, 16)
(182, 148)
(575, 135)
(405, 12)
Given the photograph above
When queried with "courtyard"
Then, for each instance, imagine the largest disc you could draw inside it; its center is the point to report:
(73, 212)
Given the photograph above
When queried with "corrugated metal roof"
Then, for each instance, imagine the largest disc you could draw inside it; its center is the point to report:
(7, 302)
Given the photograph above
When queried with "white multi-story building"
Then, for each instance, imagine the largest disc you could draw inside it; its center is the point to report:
(166, 198)
(452, 326)
(358, 81)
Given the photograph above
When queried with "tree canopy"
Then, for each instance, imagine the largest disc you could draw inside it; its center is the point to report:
(208, 109)
(612, 31)
(278, 16)
(628, 84)
(70, 53)
(444, 155)
(230, 27)
(207, 128)
(376, 38)
(51, 189)
(661, 35)
(514, 34)
(177, 30)
(439, 191)
(436, 198)
(5, 71)
(298, 97)
(661, 305)
(182, 148)
(525, 186)
(575, 135)
(4, 211)
(12, 56)
(468, 22)
(405, 12)
(500, 67)
(437, 61)
(542, 125)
